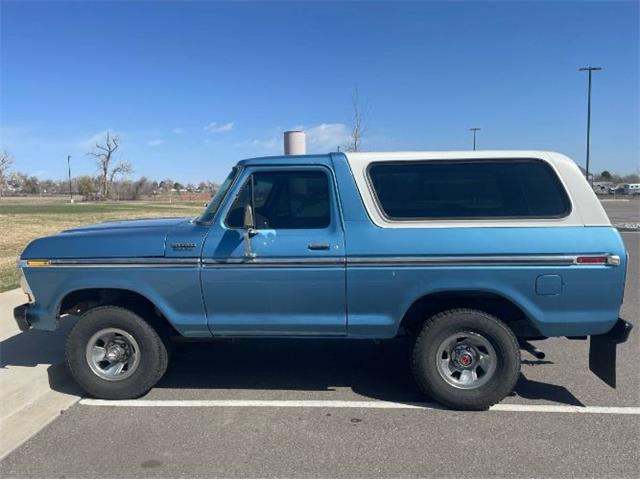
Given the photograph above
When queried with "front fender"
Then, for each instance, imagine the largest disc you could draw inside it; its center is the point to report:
(175, 292)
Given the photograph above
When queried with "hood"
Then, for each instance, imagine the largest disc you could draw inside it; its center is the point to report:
(119, 239)
(145, 223)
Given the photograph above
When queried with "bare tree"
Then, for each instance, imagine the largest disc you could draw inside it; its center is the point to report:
(6, 160)
(104, 155)
(357, 128)
(122, 169)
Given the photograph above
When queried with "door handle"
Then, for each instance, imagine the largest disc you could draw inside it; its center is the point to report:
(318, 246)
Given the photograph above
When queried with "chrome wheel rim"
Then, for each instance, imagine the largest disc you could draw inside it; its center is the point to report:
(113, 354)
(466, 360)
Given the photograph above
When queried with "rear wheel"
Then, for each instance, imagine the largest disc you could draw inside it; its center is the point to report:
(114, 354)
(466, 359)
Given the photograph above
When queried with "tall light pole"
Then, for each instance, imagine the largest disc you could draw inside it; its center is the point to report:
(589, 69)
(474, 130)
(70, 191)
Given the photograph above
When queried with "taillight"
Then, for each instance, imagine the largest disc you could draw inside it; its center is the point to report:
(592, 260)
(598, 260)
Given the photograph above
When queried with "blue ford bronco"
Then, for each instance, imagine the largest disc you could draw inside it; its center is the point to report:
(472, 254)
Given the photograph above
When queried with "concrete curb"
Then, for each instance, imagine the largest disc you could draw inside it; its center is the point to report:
(35, 385)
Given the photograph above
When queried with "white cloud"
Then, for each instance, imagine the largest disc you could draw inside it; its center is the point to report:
(326, 137)
(215, 127)
(177, 131)
(155, 143)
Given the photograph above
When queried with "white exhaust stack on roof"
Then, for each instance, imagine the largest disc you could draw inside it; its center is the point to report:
(295, 142)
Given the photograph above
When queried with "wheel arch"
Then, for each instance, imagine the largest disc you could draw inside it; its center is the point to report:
(495, 303)
(80, 300)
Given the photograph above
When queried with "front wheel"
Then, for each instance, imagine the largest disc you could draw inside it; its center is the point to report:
(466, 359)
(114, 354)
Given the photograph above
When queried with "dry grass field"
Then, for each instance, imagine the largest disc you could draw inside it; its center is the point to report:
(23, 220)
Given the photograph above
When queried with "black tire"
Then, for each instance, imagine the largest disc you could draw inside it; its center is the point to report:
(437, 329)
(153, 357)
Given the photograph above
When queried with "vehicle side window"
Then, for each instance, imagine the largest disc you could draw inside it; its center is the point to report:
(468, 190)
(288, 199)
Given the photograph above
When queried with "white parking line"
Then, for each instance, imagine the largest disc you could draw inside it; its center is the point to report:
(503, 407)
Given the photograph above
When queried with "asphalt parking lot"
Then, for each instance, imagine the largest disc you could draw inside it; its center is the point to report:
(623, 210)
(302, 420)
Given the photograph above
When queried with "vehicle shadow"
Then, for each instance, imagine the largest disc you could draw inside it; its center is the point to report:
(376, 370)
(39, 347)
(36, 347)
(533, 390)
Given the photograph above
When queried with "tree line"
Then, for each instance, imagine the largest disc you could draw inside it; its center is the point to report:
(111, 182)
(607, 176)
(89, 187)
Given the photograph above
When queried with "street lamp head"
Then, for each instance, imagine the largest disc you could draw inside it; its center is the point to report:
(474, 129)
(589, 68)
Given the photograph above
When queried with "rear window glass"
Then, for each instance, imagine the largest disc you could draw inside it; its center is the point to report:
(468, 189)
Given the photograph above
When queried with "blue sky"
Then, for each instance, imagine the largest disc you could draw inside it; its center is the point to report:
(193, 87)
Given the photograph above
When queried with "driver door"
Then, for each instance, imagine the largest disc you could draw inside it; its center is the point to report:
(292, 281)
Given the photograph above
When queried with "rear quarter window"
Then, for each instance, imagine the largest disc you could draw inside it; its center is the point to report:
(458, 189)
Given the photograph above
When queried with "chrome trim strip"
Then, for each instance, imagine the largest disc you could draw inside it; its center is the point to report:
(143, 262)
(364, 262)
(273, 262)
(613, 260)
(479, 260)
(515, 260)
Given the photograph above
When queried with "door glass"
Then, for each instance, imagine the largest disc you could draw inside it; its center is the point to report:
(284, 200)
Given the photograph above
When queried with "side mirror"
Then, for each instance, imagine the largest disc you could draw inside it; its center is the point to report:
(249, 222)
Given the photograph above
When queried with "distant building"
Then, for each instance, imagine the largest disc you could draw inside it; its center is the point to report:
(627, 189)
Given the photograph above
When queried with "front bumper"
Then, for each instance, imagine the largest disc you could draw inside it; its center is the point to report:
(20, 316)
(602, 351)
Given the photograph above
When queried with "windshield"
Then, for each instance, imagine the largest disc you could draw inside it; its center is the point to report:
(215, 202)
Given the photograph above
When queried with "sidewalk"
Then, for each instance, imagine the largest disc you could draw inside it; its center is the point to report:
(34, 384)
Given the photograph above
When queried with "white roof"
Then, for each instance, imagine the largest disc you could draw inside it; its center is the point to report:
(555, 158)
(586, 208)
(448, 154)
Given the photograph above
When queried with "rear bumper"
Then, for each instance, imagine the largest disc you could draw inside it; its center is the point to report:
(602, 351)
(20, 316)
